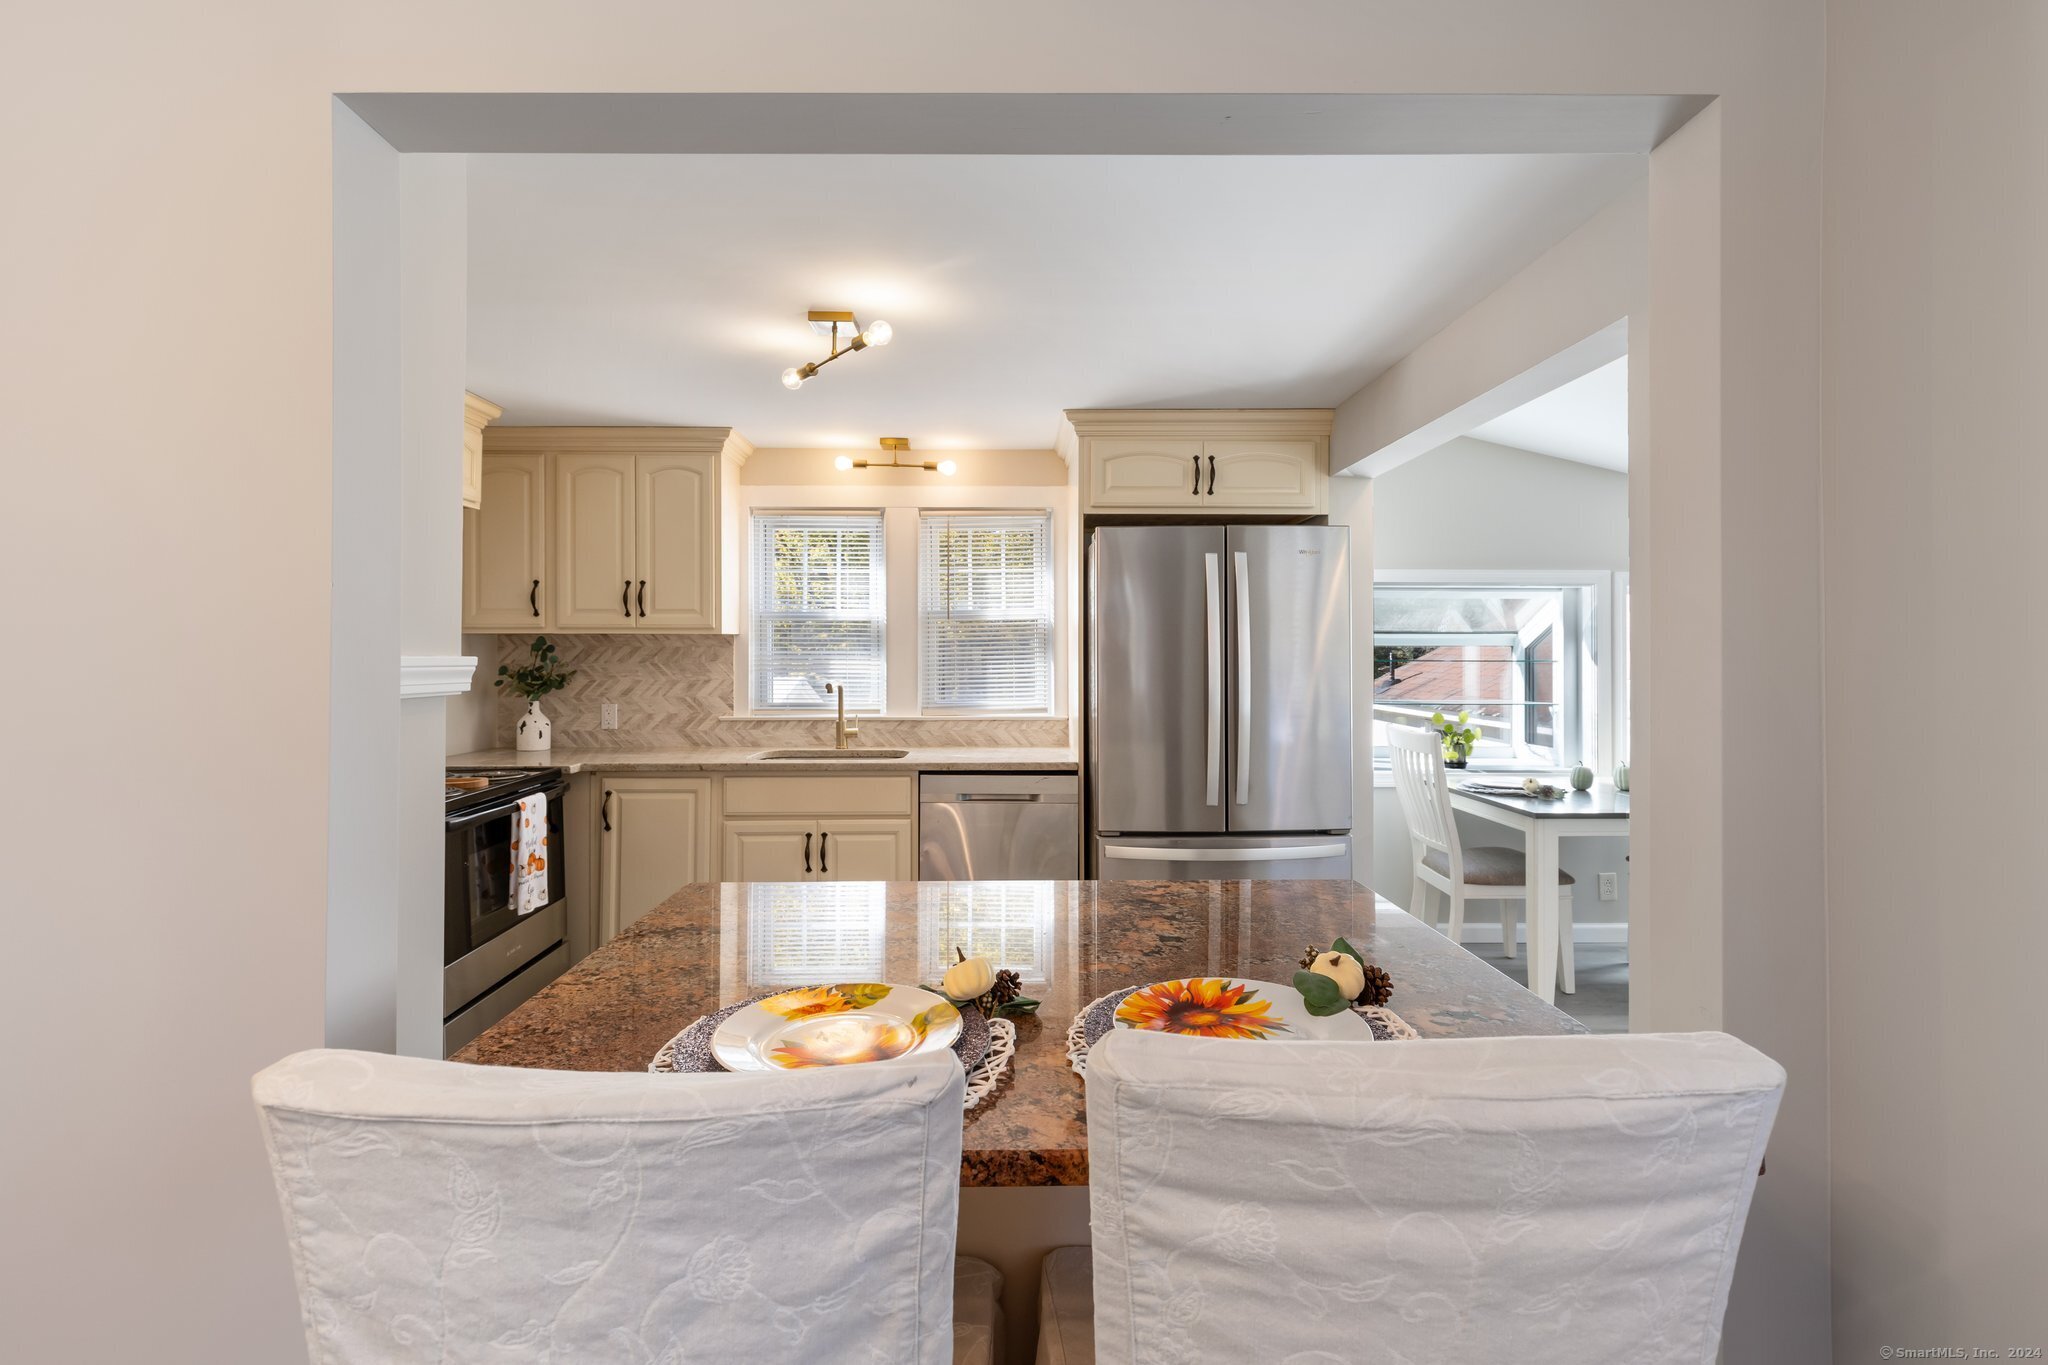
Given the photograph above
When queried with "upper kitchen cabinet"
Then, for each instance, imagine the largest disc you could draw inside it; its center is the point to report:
(477, 413)
(640, 530)
(1207, 460)
(504, 547)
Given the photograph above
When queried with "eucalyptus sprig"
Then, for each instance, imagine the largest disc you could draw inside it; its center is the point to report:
(536, 679)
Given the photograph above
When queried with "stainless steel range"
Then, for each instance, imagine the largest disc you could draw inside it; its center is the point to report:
(495, 958)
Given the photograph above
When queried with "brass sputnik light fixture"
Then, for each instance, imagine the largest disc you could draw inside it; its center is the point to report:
(827, 322)
(896, 446)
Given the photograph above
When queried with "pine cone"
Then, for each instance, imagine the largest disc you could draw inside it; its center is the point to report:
(1309, 956)
(1007, 988)
(1379, 987)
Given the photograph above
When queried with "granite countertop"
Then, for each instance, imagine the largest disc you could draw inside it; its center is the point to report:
(712, 944)
(747, 760)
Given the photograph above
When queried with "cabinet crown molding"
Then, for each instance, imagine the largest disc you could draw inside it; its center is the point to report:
(620, 440)
(479, 413)
(1198, 423)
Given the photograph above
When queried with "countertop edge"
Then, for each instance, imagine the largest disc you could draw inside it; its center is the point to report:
(731, 761)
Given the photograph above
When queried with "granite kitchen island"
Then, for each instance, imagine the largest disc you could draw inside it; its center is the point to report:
(713, 944)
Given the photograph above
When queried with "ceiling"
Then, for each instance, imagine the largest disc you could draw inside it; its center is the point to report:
(1585, 420)
(672, 289)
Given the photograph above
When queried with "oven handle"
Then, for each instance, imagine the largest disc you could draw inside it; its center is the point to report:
(474, 817)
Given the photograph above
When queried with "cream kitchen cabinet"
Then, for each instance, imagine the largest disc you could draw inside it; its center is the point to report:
(504, 548)
(627, 528)
(1209, 461)
(654, 838)
(820, 829)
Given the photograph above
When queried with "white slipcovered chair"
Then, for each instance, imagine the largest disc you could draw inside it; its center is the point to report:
(440, 1212)
(1546, 1201)
(1443, 865)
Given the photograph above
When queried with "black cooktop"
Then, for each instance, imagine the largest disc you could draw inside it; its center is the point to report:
(505, 783)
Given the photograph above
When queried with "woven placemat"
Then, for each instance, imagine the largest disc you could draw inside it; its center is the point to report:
(1099, 1017)
(983, 1047)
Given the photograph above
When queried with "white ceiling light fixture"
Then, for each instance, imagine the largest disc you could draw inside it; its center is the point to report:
(896, 446)
(826, 322)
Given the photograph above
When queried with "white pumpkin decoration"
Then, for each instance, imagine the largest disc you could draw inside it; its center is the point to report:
(1342, 968)
(1582, 778)
(970, 978)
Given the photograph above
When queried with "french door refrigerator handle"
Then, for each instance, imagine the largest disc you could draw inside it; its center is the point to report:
(1149, 853)
(1213, 582)
(1241, 565)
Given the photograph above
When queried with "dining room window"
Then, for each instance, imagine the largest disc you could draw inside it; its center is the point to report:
(1507, 656)
(819, 610)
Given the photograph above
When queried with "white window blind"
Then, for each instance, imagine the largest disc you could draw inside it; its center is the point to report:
(818, 609)
(985, 596)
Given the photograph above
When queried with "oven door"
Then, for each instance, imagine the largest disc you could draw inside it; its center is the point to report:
(478, 899)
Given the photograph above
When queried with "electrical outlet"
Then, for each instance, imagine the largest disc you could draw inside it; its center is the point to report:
(1610, 888)
(608, 719)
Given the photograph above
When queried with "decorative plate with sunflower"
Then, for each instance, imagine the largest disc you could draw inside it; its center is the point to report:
(1222, 1007)
(838, 1025)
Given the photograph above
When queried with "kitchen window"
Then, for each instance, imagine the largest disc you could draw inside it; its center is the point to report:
(1516, 658)
(818, 610)
(985, 607)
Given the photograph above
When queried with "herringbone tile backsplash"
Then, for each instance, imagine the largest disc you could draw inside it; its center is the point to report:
(675, 692)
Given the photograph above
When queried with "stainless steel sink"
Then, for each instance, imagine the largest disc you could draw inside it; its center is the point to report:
(833, 753)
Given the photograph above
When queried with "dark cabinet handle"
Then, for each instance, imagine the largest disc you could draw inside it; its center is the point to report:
(1212, 476)
(821, 851)
(1198, 474)
(807, 851)
(533, 598)
(626, 600)
(643, 589)
(604, 812)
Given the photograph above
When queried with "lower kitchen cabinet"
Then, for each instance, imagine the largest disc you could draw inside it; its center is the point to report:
(820, 829)
(655, 838)
(769, 850)
(867, 850)
(826, 849)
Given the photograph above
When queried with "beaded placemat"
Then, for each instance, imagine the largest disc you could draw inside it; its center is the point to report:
(1099, 1017)
(984, 1047)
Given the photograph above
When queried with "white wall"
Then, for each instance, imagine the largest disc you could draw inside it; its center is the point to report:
(168, 350)
(1934, 486)
(1472, 505)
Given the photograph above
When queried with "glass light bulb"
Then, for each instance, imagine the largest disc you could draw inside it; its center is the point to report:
(948, 468)
(843, 463)
(878, 334)
(791, 379)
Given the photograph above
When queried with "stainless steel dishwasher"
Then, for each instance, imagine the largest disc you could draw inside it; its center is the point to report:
(998, 827)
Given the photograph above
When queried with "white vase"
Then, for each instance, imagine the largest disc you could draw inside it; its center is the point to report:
(535, 730)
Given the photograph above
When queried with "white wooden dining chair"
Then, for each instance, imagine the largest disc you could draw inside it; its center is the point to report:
(1548, 1201)
(1441, 864)
(440, 1212)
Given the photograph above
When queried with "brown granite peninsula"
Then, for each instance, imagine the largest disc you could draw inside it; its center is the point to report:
(713, 944)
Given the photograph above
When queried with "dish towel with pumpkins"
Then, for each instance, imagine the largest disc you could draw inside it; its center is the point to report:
(530, 854)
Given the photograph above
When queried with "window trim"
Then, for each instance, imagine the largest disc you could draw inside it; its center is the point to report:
(1048, 586)
(901, 506)
(1590, 724)
(755, 518)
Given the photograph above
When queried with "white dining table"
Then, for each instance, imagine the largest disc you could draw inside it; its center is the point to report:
(1543, 824)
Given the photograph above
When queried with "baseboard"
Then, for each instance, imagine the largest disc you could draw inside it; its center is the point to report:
(1581, 933)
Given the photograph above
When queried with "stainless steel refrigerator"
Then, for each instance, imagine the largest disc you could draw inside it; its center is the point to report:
(1219, 702)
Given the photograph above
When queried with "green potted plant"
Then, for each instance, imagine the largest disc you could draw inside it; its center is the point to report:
(534, 680)
(1458, 737)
